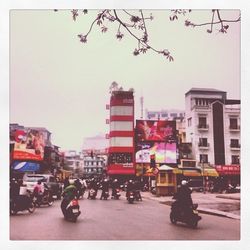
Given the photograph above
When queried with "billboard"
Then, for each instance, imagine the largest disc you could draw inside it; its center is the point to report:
(148, 130)
(29, 145)
(164, 152)
(155, 138)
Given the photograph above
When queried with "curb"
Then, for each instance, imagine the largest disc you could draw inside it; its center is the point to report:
(201, 210)
(228, 197)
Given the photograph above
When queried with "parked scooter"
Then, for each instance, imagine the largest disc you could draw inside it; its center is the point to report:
(72, 211)
(22, 203)
(178, 214)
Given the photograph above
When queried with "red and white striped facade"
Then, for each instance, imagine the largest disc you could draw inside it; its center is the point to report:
(121, 135)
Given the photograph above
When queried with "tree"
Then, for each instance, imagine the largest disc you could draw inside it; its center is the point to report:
(135, 25)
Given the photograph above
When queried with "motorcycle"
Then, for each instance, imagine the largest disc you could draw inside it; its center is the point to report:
(105, 195)
(92, 194)
(117, 194)
(22, 203)
(45, 199)
(137, 195)
(177, 214)
(130, 197)
(72, 211)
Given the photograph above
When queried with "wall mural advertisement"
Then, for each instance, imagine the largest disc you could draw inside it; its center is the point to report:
(158, 138)
(29, 145)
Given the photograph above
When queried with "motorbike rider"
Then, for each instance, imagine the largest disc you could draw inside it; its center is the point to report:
(130, 187)
(69, 193)
(114, 185)
(184, 199)
(93, 185)
(137, 187)
(39, 190)
(78, 187)
(14, 189)
(105, 187)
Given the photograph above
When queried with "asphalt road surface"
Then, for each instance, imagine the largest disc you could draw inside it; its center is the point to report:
(117, 220)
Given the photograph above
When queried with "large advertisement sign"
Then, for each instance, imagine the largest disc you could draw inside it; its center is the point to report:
(164, 152)
(155, 130)
(29, 145)
(156, 138)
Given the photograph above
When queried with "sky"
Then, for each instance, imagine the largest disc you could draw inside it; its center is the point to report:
(58, 83)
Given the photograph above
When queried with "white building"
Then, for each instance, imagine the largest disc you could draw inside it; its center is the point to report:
(213, 126)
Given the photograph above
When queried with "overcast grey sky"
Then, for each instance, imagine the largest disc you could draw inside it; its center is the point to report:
(61, 84)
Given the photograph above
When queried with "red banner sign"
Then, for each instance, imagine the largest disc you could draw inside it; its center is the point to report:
(228, 169)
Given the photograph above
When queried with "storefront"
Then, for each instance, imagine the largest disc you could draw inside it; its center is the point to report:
(230, 174)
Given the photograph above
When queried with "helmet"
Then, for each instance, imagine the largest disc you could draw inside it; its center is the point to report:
(184, 182)
(71, 182)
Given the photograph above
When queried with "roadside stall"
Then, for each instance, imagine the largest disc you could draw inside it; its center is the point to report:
(165, 181)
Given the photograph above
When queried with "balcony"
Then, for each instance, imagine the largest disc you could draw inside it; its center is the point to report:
(203, 145)
(203, 127)
(235, 147)
(234, 128)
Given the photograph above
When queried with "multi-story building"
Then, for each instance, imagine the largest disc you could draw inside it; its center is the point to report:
(213, 128)
(121, 135)
(94, 165)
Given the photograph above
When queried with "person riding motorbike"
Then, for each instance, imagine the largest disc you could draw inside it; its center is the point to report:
(69, 193)
(78, 186)
(105, 188)
(183, 198)
(39, 190)
(130, 187)
(114, 185)
(93, 185)
(137, 187)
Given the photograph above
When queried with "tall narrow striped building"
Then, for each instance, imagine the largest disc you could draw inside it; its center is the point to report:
(121, 135)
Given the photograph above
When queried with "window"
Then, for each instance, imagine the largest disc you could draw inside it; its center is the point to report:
(164, 115)
(163, 178)
(203, 142)
(170, 178)
(189, 122)
(202, 122)
(235, 159)
(173, 115)
(203, 158)
(120, 158)
(234, 143)
(233, 123)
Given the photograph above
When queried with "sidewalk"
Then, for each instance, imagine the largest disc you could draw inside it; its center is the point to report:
(227, 205)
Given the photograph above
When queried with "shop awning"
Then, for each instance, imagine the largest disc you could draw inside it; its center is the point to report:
(210, 172)
(196, 171)
(228, 169)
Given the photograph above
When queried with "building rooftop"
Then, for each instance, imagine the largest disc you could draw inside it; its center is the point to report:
(209, 90)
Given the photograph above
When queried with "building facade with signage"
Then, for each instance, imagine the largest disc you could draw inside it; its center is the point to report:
(121, 134)
(213, 128)
(30, 149)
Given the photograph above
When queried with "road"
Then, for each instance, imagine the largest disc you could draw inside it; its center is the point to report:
(118, 220)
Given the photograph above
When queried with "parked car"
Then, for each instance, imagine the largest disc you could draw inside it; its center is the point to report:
(30, 181)
(196, 185)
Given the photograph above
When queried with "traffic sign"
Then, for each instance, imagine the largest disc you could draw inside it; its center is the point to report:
(156, 171)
